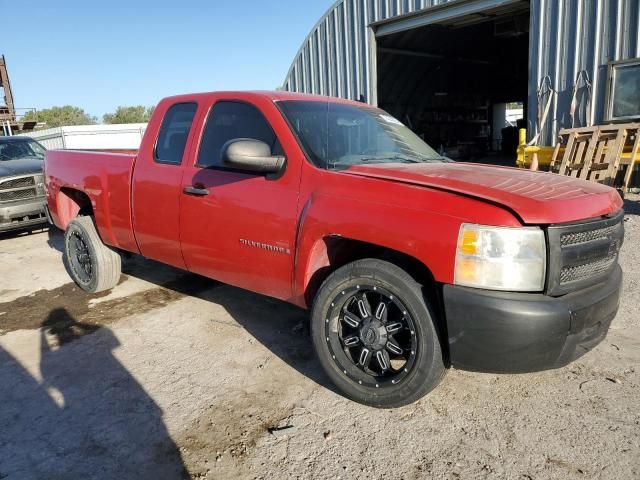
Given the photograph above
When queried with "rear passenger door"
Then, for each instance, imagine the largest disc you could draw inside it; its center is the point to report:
(240, 228)
(157, 185)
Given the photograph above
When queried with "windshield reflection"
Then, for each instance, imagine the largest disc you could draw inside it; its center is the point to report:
(16, 150)
(339, 135)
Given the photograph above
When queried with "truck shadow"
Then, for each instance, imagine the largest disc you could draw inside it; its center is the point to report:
(86, 418)
(632, 207)
(22, 232)
(279, 326)
(55, 238)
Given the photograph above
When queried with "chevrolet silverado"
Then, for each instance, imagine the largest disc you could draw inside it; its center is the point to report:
(409, 263)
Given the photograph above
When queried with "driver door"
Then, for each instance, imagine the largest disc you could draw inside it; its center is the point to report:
(237, 226)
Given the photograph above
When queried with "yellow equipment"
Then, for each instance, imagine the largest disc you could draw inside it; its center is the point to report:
(545, 154)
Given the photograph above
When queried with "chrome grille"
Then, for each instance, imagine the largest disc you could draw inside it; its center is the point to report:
(21, 194)
(21, 188)
(583, 254)
(18, 182)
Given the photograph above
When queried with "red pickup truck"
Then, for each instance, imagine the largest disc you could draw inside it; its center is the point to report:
(408, 262)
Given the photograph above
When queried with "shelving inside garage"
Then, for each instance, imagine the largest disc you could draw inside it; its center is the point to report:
(446, 80)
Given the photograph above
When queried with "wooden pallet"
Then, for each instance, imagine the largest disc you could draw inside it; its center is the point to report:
(595, 153)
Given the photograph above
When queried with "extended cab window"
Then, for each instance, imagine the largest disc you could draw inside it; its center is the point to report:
(174, 133)
(230, 120)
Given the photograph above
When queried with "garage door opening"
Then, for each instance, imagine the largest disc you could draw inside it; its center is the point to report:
(461, 85)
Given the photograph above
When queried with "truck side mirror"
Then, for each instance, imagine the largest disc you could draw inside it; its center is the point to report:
(251, 155)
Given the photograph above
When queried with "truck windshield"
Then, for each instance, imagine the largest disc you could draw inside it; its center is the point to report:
(338, 135)
(16, 150)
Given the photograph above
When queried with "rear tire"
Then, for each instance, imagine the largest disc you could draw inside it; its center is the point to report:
(90, 263)
(375, 336)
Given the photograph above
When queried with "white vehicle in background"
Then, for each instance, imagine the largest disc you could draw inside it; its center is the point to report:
(125, 137)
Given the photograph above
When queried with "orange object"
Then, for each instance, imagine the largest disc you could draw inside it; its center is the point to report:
(534, 162)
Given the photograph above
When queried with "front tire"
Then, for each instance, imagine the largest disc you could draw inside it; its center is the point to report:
(375, 336)
(90, 263)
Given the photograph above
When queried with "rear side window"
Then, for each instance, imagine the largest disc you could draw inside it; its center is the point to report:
(230, 120)
(174, 133)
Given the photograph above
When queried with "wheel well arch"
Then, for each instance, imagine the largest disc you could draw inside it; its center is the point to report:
(332, 252)
(72, 203)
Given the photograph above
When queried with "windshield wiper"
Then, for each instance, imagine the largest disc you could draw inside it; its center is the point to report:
(383, 158)
(418, 159)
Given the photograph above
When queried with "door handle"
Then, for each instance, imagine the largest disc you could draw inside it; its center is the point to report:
(198, 192)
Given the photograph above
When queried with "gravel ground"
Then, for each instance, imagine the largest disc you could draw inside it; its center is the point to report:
(174, 376)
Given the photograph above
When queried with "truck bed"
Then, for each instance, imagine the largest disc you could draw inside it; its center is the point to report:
(105, 182)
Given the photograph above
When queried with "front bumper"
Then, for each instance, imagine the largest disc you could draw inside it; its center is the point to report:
(503, 332)
(14, 216)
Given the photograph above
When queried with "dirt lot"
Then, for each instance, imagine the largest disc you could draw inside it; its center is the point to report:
(171, 375)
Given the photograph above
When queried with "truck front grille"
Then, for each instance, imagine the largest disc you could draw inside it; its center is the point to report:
(583, 254)
(21, 188)
(18, 195)
(587, 236)
(18, 182)
(586, 270)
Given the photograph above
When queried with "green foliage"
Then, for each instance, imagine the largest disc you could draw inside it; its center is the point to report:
(135, 114)
(61, 117)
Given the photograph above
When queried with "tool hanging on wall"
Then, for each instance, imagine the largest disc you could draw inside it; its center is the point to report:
(545, 89)
(584, 76)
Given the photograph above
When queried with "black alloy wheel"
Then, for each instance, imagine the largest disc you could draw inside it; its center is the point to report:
(371, 335)
(94, 266)
(80, 258)
(375, 335)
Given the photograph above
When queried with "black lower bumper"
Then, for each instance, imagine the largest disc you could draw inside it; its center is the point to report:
(517, 332)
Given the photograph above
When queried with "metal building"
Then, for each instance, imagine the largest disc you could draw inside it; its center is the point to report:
(423, 59)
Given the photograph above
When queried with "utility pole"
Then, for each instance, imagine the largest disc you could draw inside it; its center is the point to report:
(7, 110)
(8, 118)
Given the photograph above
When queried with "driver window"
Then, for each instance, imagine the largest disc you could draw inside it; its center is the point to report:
(229, 120)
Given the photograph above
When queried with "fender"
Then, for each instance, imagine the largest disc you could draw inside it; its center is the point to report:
(432, 237)
(105, 180)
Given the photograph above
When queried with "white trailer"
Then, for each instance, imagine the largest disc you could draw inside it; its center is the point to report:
(91, 137)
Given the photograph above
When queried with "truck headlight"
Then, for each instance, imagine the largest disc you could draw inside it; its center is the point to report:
(39, 179)
(501, 258)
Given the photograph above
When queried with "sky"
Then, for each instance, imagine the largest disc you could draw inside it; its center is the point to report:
(99, 55)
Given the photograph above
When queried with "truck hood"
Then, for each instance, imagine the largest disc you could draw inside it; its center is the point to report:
(9, 168)
(535, 197)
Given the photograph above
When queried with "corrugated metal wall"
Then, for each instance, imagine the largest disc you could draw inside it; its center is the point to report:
(567, 36)
(336, 58)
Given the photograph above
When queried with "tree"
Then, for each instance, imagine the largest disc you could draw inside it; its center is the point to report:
(135, 114)
(60, 117)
